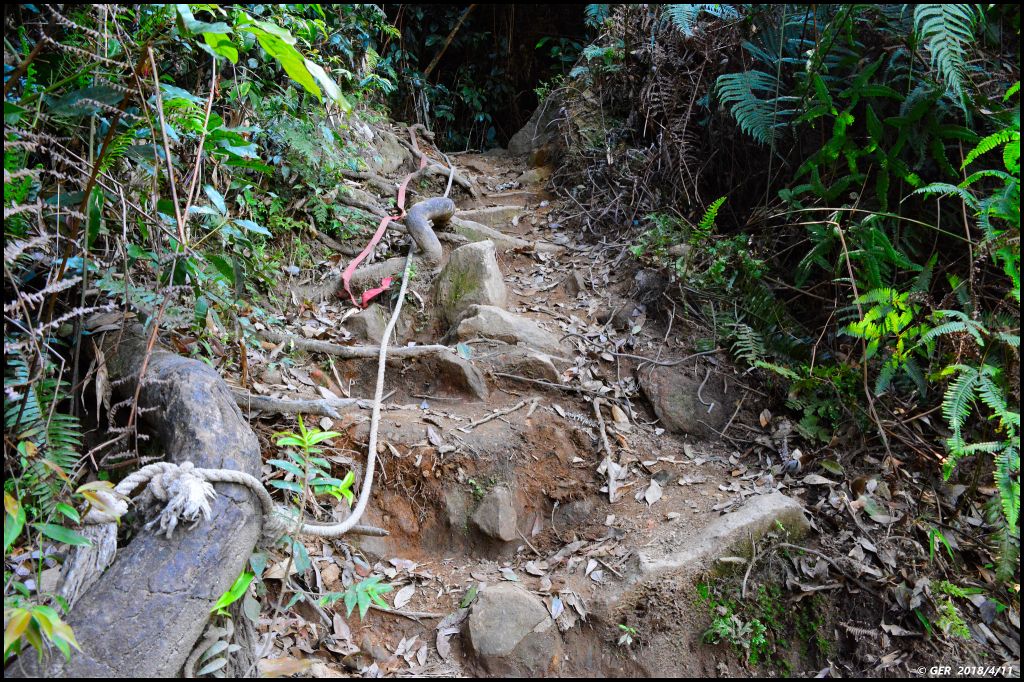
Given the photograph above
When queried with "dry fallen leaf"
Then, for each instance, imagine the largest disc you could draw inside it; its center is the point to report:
(404, 595)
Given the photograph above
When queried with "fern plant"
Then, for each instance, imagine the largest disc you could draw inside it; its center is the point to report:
(983, 387)
(947, 30)
(684, 17)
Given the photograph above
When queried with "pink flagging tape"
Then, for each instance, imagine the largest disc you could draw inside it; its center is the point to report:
(350, 269)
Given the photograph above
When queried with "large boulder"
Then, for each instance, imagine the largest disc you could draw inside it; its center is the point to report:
(471, 276)
(540, 131)
(685, 404)
(495, 217)
(511, 633)
(369, 325)
(390, 154)
(490, 322)
(525, 362)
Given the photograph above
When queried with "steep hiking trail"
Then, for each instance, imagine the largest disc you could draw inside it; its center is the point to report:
(562, 462)
(555, 471)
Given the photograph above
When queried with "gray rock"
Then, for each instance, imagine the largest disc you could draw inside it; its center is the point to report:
(511, 633)
(495, 516)
(576, 513)
(456, 508)
(574, 283)
(729, 534)
(471, 276)
(534, 176)
(272, 376)
(522, 361)
(490, 322)
(676, 396)
(390, 156)
(493, 216)
(541, 129)
(369, 325)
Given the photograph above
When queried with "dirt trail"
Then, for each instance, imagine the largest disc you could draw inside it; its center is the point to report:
(517, 507)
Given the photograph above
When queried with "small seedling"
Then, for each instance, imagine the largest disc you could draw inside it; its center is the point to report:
(628, 633)
(363, 594)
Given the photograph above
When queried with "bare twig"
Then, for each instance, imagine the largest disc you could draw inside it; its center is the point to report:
(494, 415)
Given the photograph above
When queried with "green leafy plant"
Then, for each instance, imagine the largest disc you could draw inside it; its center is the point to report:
(37, 625)
(364, 593)
(233, 594)
(628, 633)
(307, 468)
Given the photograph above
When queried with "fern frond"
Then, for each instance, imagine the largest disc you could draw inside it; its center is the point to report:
(947, 31)
(1007, 478)
(707, 223)
(946, 189)
(956, 405)
(747, 345)
(595, 15)
(990, 142)
(756, 116)
(684, 17)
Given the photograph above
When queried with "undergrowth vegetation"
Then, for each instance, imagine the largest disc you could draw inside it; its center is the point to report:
(864, 255)
(165, 162)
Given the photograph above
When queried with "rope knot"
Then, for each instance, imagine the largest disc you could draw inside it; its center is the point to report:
(188, 496)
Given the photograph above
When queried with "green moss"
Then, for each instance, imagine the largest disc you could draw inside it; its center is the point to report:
(457, 285)
(761, 628)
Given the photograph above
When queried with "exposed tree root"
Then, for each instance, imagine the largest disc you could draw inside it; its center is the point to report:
(325, 407)
(460, 373)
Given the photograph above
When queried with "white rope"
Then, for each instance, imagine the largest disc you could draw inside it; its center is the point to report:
(188, 495)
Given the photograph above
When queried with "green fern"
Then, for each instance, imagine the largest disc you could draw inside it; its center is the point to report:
(755, 115)
(947, 31)
(708, 221)
(595, 15)
(684, 17)
(49, 441)
(1006, 136)
(982, 384)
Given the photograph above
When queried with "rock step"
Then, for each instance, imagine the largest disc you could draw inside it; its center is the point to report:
(493, 216)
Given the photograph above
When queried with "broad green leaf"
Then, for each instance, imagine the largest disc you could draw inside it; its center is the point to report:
(95, 214)
(17, 624)
(253, 227)
(235, 592)
(221, 45)
(62, 534)
(68, 511)
(173, 92)
(222, 265)
(188, 22)
(12, 113)
(86, 101)
(320, 437)
(217, 198)
(287, 485)
(328, 84)
(287, 466)
(289, 58)
(13, 525)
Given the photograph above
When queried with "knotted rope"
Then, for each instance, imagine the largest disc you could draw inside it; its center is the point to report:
(187, 493)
